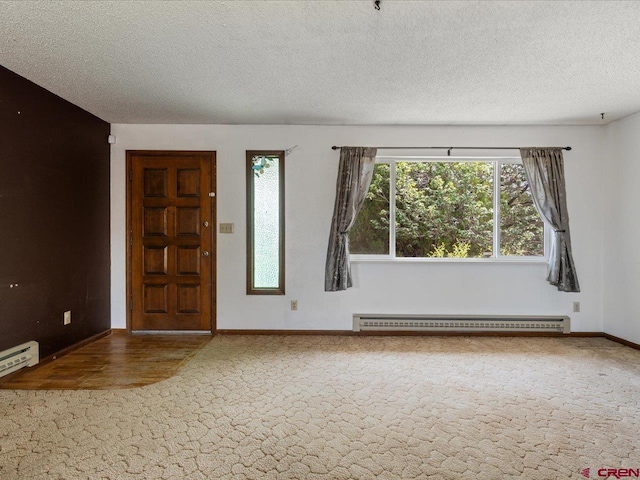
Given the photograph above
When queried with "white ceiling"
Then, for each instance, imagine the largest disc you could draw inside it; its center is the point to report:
(331, 62)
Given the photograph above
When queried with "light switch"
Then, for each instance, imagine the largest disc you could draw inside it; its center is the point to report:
(226, 228)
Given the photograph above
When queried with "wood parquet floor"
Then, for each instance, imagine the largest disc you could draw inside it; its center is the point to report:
(113, 362)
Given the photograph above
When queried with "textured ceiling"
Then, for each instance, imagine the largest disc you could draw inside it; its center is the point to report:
(331, 62)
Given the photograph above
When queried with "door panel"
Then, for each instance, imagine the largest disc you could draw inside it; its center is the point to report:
(172, 247)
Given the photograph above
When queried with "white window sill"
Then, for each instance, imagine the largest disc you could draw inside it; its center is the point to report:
(503, 260)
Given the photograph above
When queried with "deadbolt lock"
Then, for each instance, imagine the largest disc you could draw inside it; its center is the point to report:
(205, 254)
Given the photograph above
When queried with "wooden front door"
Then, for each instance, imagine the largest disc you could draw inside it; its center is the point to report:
(172, 240)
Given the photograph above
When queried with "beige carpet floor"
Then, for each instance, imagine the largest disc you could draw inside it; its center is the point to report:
(343, 408)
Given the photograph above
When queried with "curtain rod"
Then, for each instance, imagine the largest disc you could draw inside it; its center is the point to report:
(447, 148)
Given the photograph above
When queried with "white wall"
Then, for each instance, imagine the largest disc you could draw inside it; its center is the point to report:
(398, 288)
(622, 227)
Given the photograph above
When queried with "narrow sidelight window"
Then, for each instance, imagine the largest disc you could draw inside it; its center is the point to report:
(265, 222)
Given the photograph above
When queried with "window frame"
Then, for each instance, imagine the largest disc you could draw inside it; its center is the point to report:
(497, 161)
(251, 289)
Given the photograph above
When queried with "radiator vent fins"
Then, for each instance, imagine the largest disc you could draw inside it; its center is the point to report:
(13, 359)
(13, 362)
(427, 323)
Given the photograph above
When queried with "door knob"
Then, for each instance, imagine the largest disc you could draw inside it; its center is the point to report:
(205, 254)
(205, 224)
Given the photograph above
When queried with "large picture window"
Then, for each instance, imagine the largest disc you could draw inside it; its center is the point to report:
(265, 222)
(441, 208)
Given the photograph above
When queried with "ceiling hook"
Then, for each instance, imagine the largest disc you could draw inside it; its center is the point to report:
(376, 4)
(449, 151)
(602, 116)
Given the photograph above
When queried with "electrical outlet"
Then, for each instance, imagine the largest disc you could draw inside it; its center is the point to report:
(67, 317)
(576, 306)
(294, 304)
(226, 228)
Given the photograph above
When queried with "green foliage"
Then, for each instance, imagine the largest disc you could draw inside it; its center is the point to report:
(446, 210)
(521, 229)
(460, 250)
(443, 203)
(370, 234)
(259, 163)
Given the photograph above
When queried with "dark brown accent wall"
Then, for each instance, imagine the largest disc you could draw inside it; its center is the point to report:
(54, 218)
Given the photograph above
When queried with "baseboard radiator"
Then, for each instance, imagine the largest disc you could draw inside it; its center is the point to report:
(13, 359)
(460, 323)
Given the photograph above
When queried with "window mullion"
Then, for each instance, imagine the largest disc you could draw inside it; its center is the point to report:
(392, 209)
(497, 169)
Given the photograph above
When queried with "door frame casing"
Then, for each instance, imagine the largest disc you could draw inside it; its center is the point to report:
(214, 223)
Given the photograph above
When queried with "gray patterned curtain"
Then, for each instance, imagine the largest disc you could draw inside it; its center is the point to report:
(544, 168)
(354, 177)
